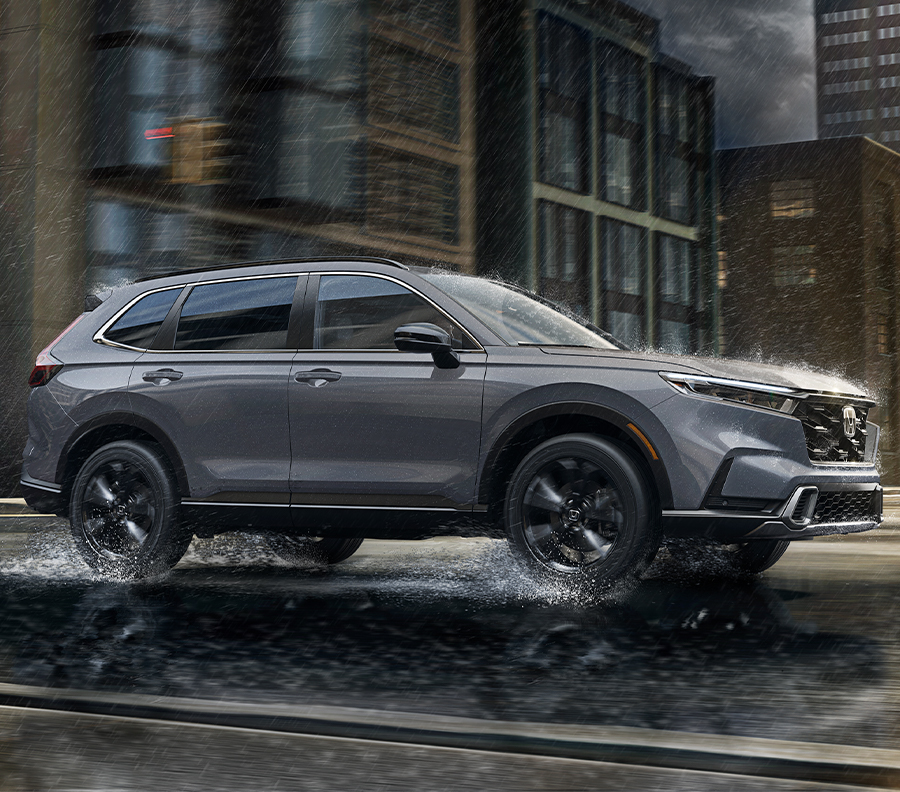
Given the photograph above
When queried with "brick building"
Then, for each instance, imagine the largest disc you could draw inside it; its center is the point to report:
(809, 263)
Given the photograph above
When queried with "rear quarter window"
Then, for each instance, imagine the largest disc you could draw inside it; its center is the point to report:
(138, 326)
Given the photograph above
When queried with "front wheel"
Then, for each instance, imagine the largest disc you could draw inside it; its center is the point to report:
(579, 510)
(300, 550)
(124, 514)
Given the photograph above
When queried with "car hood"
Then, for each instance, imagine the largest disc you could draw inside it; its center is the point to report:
(747, 371)
(770, 374)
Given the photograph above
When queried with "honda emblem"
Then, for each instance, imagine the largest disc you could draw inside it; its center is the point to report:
(849, 422)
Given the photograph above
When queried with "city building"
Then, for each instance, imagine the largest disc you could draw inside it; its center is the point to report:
(595, 178)
(858, 69)
(144, 136)
(550, 143)
(809, 263)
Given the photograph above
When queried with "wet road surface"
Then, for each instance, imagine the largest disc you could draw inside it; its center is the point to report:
(807, 652)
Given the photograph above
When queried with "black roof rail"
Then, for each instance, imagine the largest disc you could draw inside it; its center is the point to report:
(260, 262)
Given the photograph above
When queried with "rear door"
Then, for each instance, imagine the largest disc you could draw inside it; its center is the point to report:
(220, 390)
(373, 427)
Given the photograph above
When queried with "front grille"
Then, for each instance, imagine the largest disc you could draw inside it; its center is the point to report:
(823, 426)
(839, 507)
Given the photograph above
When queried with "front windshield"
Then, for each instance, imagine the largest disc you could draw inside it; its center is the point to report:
(514, 316)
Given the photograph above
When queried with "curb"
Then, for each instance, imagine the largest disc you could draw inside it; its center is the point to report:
(15, 507)
(753, 756)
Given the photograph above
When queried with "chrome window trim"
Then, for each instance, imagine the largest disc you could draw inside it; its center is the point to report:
(100, 339)
(98, 336)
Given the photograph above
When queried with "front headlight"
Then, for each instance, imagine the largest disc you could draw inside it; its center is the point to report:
(755, 394)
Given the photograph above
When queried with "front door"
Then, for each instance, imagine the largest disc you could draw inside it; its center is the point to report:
(375, 428)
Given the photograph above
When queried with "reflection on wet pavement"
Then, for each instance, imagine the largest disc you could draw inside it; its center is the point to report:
(452, 627)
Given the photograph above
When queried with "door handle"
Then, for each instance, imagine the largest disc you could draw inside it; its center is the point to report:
(317, 377)
(163, 374)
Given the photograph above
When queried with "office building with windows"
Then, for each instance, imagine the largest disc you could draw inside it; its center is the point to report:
(595, 178)
(809, 263)
(858, 69)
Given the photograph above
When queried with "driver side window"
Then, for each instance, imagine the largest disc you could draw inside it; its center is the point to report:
(362, 312)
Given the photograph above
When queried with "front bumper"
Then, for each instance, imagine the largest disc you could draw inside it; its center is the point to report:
(811, 510)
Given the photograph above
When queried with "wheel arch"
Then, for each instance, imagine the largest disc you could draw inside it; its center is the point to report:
(109, 428)
(552, 420)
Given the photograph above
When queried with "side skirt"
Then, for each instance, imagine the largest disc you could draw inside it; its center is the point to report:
(371, 522)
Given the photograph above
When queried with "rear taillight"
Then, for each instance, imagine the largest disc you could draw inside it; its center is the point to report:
(43, 371)
(46, 367)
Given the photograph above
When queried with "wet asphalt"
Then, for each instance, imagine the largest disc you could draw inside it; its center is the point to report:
(450, 627)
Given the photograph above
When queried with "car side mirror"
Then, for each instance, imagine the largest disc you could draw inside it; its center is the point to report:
(427, 337)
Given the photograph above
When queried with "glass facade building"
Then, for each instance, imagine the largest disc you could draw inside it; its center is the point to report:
(614, 186)
(230, 130)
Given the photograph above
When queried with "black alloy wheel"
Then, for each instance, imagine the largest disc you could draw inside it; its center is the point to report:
(579, 509)
(123, 512)
(302, 550)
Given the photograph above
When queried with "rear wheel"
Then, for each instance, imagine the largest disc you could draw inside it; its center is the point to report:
(578, 509)
(124, 512)
(313, 549)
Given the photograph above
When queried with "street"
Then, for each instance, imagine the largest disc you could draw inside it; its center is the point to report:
(448, 629)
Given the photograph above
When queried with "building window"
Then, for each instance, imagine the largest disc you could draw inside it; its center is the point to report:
(153, 64)
(304, 111)
(624, 281)
(622, 84)
(317, 159)
(792, 199)
(675, 149)
(565, 249)
(848, 16)
(564, 80)
(722, 272)
(856, 85)
(884, 335)
(675, 287)
(794, 266)
(845, 38)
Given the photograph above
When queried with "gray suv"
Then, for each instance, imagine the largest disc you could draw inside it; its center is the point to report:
(322, 402)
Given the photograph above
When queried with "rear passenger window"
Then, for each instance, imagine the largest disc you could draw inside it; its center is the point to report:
(138, 326)
(244, 314)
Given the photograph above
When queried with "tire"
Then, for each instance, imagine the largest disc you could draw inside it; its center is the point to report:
(301, 550)
(758, 556)
(579, 510)
(124, 512)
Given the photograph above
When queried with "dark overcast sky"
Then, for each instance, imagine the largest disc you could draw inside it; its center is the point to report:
(762, 54)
